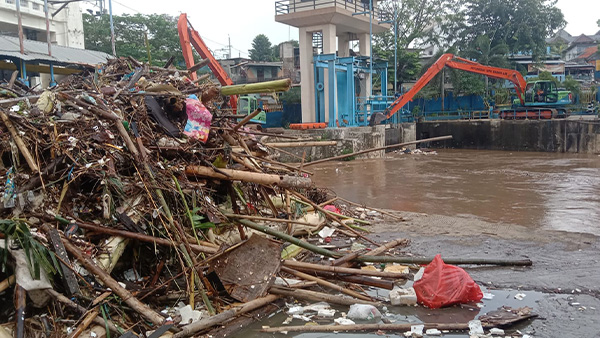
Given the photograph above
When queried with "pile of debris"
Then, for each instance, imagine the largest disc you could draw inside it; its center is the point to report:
(135, 202)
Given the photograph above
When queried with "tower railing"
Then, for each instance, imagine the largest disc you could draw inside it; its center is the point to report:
(355, 6)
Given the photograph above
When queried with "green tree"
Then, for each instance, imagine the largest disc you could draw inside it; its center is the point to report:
(261, 49)
(419, 22)
(291, 96)
(130, 36)
(522, 25)
(572, 85)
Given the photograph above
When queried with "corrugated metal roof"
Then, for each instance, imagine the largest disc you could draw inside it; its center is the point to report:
(36, 51)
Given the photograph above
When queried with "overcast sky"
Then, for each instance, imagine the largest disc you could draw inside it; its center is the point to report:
(242, 20)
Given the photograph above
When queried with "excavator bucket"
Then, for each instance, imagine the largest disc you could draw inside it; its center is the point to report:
(376, 119)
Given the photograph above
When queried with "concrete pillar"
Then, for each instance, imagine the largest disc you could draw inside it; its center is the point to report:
(329, 47)
(343, 45)
(307, 82)
(364, 49)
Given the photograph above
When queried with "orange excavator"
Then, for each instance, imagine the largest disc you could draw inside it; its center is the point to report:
(187, 36)
(542, 104)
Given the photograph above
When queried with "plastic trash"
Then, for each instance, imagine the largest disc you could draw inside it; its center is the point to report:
(419, 274)
(520, 296)
(343, 321)
(496, 332)
(363, 312)
(295, 310)
(433, 332)
(199, 118)
(332, 208)
(326, 313)
(189, 315)
(416, 331)
(443, 285)
(475, 328)
(403, 296)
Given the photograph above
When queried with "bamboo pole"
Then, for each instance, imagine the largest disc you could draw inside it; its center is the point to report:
(5, 284)
(20, 304)
(301, 144)
(269, 219)
(342, 270)
(247, 119)
(454, 261)
(87, 320)
(259, 133)
(440, 138)
(315, 296)
(365, 327)
(257, 88)
(144, 238)
(374, 209)
(287, 166)
(127, 297)
(285, 181)
(363, 280)
(193, 328)
(19, 141)
(324, 283)
(333, 217)
(389, 245)
(345, 259)
(383, 259)
(98, 320)
(288, 238)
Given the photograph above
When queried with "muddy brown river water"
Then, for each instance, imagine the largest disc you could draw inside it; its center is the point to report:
(548, 190)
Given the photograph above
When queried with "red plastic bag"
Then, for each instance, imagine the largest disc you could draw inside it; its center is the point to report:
(443, 284)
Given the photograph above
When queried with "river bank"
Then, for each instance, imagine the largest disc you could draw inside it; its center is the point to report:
(565, 265)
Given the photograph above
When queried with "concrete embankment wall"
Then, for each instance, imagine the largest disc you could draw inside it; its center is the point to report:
(349, 140)
(558, 135)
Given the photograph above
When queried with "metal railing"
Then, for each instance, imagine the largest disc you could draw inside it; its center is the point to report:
(355, 6)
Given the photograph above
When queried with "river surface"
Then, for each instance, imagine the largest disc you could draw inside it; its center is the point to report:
(549, 190)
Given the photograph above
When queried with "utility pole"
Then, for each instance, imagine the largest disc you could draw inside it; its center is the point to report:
(48, 39)
(371, 46)
(112, 28)
(229, 38)
(20, 24)
(395, 48)
(47, 28)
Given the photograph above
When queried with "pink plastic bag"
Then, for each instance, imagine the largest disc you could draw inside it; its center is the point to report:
(443, 285)
(199, 118)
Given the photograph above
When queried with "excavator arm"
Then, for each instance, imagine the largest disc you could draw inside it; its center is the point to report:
(189, 37)
(456, 62)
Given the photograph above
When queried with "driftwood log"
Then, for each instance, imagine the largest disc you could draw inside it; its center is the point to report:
(284, 181)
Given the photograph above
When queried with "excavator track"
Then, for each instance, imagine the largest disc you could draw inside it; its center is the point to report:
(528, 114)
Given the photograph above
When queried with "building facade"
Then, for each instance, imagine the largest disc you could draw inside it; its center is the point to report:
(66, 26)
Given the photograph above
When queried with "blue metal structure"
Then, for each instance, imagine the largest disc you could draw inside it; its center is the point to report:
(345, 107)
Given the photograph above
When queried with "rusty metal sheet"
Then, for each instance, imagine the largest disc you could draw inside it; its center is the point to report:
(248, 271)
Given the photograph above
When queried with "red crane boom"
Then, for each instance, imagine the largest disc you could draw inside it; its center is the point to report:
(187, 36)
(456, 62)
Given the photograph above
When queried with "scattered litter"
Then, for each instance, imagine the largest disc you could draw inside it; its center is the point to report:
(475, 328)
(443, 284)
(488, 296)
(363, 312)
(403, 296)
(496, 332)
(520, 296)
(343, 321)
(433, 332)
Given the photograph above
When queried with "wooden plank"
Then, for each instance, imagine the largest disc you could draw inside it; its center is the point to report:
(68, 277)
